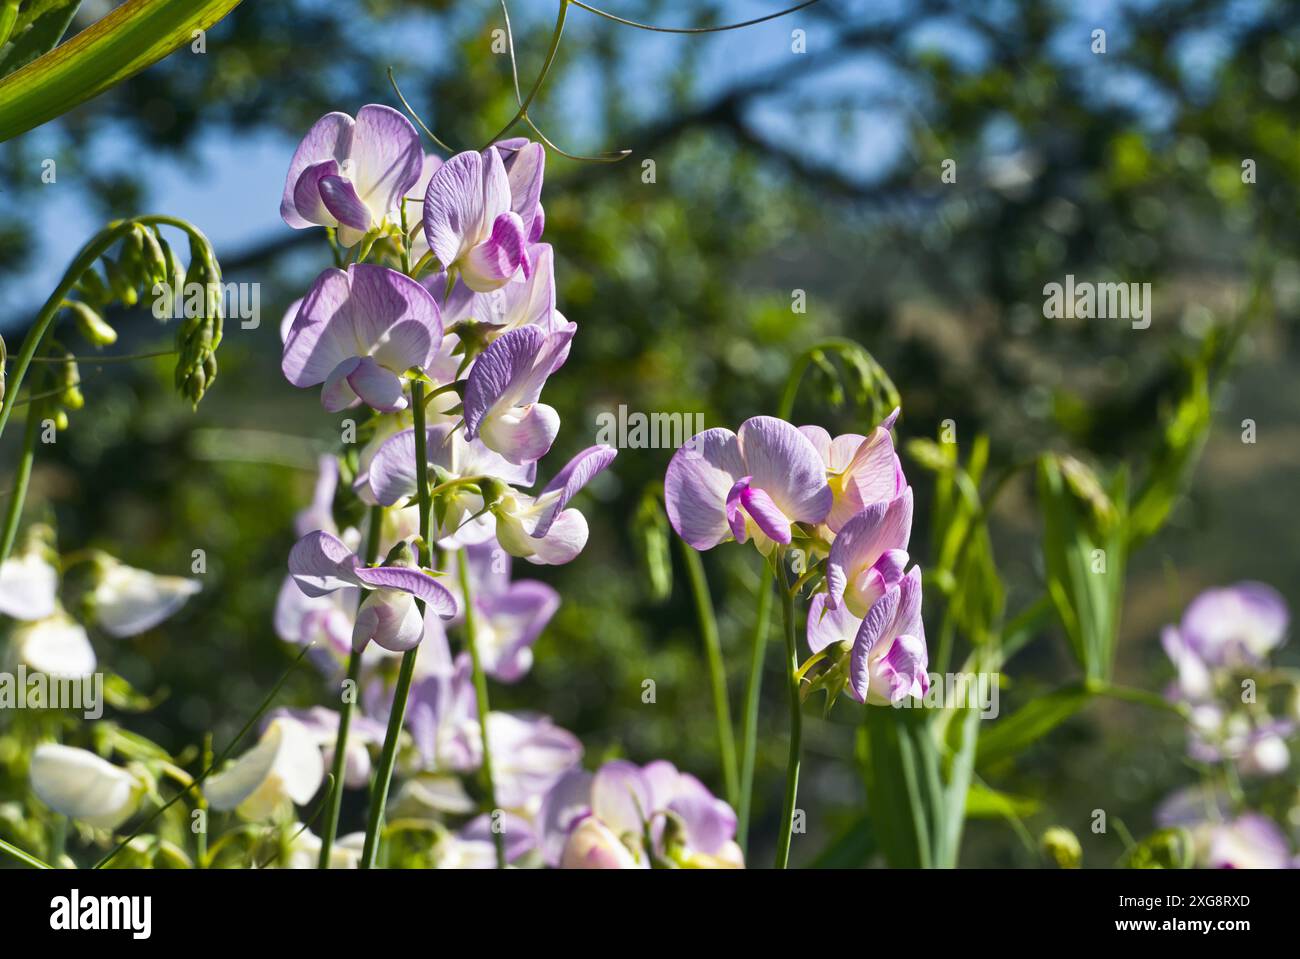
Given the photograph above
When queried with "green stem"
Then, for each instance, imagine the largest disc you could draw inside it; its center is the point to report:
(22, 476)
(331, 826)
(753, 689)
(23, 856)
(481, 701)
(92, 251)
(388, 756)
(541, 76)
(717, 672)
(796, 717)
(211, 768)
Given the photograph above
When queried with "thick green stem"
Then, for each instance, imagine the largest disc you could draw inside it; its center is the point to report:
(796, 718)
(388, 756)
(753, 691)
(331, 826)
(717, 672)
(481, 702)
(22, 476)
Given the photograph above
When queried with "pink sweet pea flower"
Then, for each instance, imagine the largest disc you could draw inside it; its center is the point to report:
(351, 174)
(469, 223)
(861, 469)
(358, 332)
(503, 389)
(869, 555)
(755, 483)
(541, 529)
(888, 660)
(601, 821)
(321, 563)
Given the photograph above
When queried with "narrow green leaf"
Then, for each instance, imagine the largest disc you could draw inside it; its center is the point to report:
(130, 38)
(35, 31)
(1030, 723)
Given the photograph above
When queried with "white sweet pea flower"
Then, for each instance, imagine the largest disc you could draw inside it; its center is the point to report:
(128, 601)
(304, 851)
(81, 785)
(284, 768)
(56, 645)
(28, 587)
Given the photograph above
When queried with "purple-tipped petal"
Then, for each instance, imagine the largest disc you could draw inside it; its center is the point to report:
(379, 388)
(525, 168)
(368, 311)
(870, 476)
(341, 200)
(908, 618)
(699, 479)
(330, 138)
(320, 563)
(774, 523)
(577, 473)
(386, 156)
(864, 540)
(785, 465)
(875, 625)
(505, 381)
(394, 317)
(465, 197)
(490, 264)
(307, 197)
(416, 582)
(901, 671)
(826, 627)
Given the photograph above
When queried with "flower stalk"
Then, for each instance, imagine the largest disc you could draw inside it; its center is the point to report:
(796, 715)
(330, 828)
(481, 702)
(388, 757)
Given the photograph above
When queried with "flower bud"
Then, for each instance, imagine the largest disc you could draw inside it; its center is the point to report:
(90, 324)
(1063, 847)
(119, 282)
(153, 260)
(93, 288)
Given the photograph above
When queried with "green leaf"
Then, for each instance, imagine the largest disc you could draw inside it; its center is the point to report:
(916, 795)
(130, 38)
(984, 802)
(851, 848)
(1085, 565)
(1030, 723)
(35, 31)
(899, 797)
